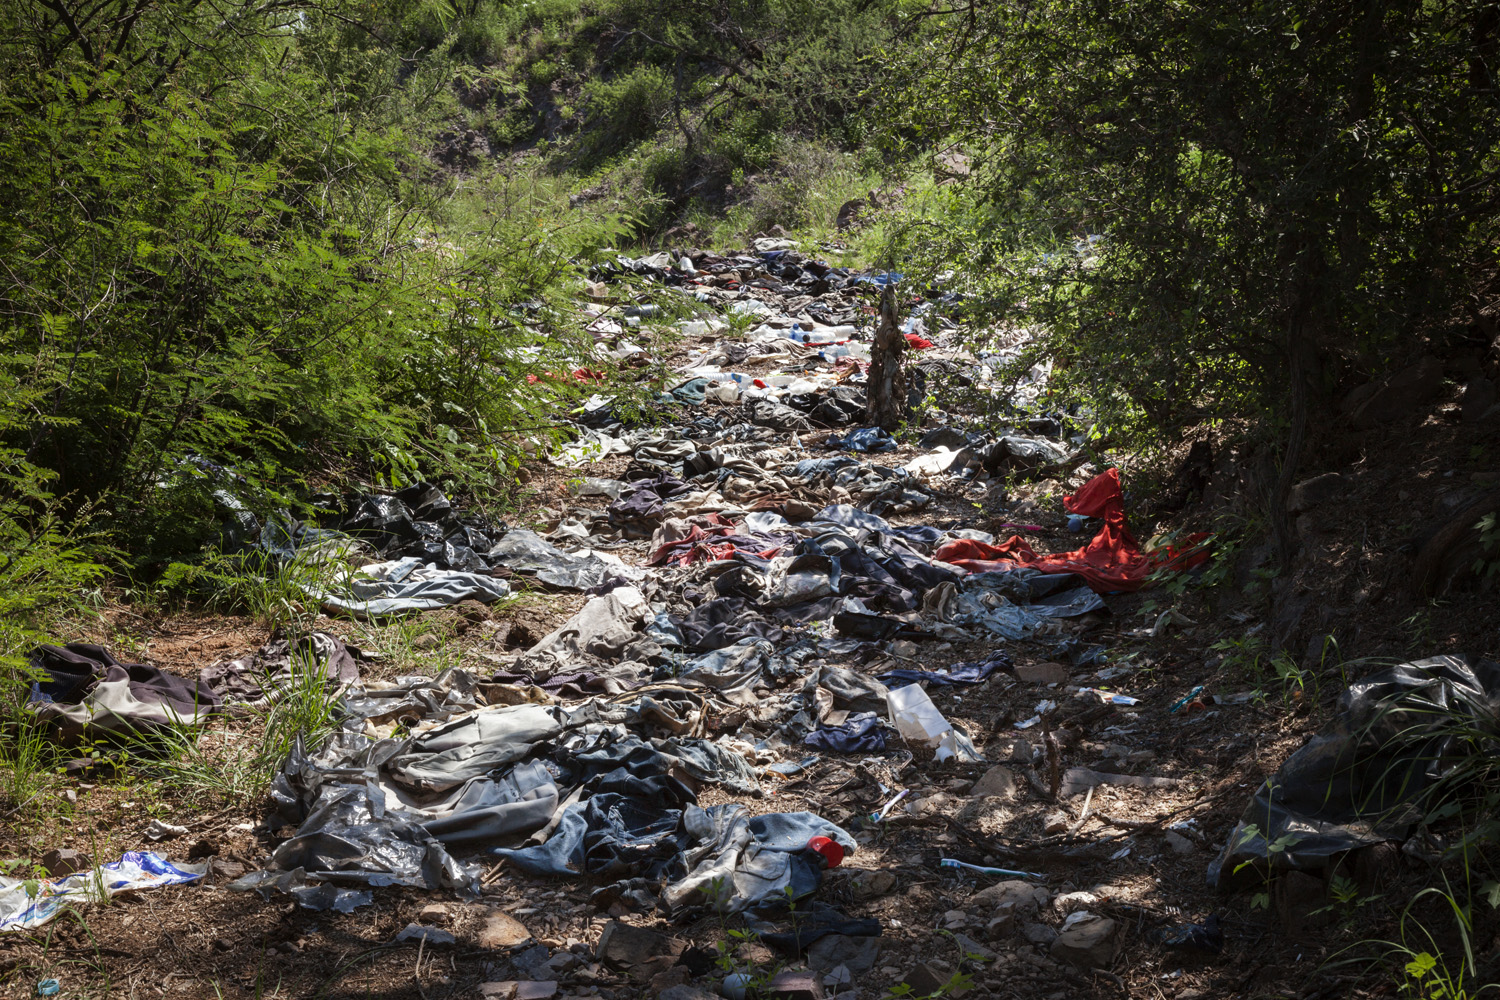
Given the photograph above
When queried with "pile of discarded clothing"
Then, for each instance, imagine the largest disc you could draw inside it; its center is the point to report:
(607, 788)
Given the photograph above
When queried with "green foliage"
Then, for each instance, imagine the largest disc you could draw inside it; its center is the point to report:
(1487, 563)
(623, 111)
(1200, 208)
(228, 273)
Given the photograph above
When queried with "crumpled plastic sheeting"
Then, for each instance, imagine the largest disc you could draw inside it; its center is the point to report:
(526, 552)
(1397, 733)
(309, 894)
(741, 862)
(1112, 561)
(408, 584)
(345, 832)
(21, 910)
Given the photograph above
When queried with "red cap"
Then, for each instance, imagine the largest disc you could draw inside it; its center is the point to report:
(831, 850)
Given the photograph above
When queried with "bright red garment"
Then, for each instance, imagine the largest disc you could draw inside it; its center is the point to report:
(917, 343)
(1112, 561)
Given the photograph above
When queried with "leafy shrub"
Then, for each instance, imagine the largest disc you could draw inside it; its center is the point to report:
(621, 112)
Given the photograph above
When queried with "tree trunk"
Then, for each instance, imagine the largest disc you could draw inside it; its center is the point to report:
(885, 394)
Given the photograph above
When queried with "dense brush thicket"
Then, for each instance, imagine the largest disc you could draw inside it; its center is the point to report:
(228, 262)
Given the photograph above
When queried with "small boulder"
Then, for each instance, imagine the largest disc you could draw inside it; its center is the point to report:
(1042, 673)
(501, 930)
(65, 861)
(1316, 492)
(997, 781)
(973, 949)
(1387, 399)
(1089, 943)
(857, 954)
(1180, 844)
(436, 914)
(1023, 898)
(1038, 933)
(1014, 750)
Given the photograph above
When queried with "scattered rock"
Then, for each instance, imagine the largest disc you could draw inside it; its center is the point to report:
(1020, 897)
(684, 992)
(501, 930)
(954, 919)
(426, 642)
(1480, 396)
(421, 932)
(641, 951)
(677, 975)
(951, 166)
(857, 954)
(1316, 492)
(437, 914)
(839, 978)
(868, 885)
(533, 960)
(1089, 943)
(1179, 843)
(1385, 400)
(1002, 925)
(926, 980)
(1056, 822)
(794, 986)
(1038, 933)
(1042, 673)
(1014, 750)
(561, 964)
(65, 861)
(973, 949)
(226, 869)
(997, 781)
(535, 990)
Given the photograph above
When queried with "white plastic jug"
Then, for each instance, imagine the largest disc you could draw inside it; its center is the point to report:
(914, 714)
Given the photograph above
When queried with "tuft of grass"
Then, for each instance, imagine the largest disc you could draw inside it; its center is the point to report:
(241, 765)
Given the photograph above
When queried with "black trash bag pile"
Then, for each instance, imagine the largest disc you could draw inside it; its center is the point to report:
(1399, 736)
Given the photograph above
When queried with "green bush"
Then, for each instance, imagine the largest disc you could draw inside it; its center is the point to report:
(244, 271)
(621, 112)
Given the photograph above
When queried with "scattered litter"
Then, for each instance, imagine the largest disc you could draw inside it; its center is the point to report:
(162, 830)
(1205, 936)
(1109, 697)
(28, 904)
(986, 870)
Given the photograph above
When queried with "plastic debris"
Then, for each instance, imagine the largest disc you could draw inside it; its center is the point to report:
(985, 869)
(1110, 697)
(25, 905)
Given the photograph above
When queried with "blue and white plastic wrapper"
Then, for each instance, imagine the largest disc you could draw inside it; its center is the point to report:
(19, 910)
